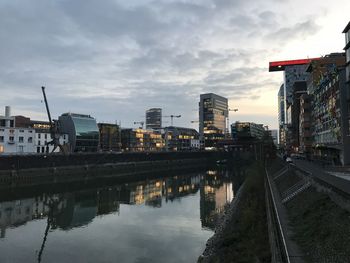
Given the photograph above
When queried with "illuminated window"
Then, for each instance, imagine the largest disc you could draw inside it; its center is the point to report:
(1, 148)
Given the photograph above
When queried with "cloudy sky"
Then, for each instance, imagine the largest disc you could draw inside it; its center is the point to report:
(113, 59)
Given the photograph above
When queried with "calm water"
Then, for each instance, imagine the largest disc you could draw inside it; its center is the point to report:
(161, 220)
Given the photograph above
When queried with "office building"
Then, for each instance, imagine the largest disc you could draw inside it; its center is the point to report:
(181, 139)
(327, 87)
(281, 116)
(154, 118)
(299, 88)
(82, 131)
(293, 71)
(247, 131)
(139, 140)
(305, 135)
(110, 137)
(213, 114)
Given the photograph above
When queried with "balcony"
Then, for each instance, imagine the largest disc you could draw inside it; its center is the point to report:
(11, 142)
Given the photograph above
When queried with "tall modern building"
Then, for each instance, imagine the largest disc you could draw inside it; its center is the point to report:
(213, 113)
(329, 109)
(299, 88)
(294, 71)
(82, 130)
(281, 117)
(305, 136)
(154, 118)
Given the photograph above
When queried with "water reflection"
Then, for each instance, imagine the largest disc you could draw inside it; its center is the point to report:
(67, 211)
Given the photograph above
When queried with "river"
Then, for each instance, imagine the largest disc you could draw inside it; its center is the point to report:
(153, 220)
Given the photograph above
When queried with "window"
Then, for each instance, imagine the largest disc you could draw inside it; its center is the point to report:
(30, 131)
(21, 148)
(45, 136)
(11, 138)
(12, 131)
(21, 131)
(38, 149)
(38, 142)
(1, 148)
(30, 140)
(1, 130)
(39, 135)
(1, 138)
(20, 138)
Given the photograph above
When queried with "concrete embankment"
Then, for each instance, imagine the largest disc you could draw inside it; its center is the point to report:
(241, 235)
(32, 170)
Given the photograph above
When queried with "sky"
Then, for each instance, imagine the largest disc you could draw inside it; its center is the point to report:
(113, 59)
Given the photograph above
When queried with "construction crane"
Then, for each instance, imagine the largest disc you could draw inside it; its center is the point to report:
(140, 122)
(55, 134)
(172, 118)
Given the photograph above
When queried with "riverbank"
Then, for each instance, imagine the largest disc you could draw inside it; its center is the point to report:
(32, 170)
(241, 235)
(82, 173)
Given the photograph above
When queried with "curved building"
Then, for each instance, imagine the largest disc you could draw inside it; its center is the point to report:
(82, 130)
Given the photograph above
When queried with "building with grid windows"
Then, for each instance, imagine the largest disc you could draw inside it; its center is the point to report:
(213, 114)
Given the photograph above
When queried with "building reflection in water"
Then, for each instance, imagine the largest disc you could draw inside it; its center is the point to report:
(216, 190)
(70, 210)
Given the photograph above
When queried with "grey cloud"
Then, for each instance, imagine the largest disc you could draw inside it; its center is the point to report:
(113, 59)
(299, 30)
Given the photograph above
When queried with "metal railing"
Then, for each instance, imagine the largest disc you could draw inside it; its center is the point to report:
(279, 247)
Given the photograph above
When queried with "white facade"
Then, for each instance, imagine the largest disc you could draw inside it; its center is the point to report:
(41, 138)
(16, 140)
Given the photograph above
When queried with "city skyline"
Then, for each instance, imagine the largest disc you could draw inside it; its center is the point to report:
(115, 60)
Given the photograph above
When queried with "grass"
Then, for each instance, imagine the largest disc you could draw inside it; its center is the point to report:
(321, 228)
(246, 235)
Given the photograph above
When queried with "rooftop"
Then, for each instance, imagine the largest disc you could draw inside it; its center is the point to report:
(281, 65)
(346, 29)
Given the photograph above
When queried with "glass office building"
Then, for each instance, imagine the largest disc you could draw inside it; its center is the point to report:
(154, 118)
(82, 130)
(213, 113)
